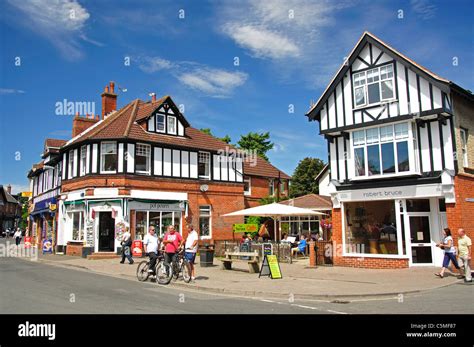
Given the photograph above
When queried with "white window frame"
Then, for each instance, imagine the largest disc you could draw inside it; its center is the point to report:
(206, 237)
(271, 187)
(410, 138)
(71, 215)
(70, 164)
(83, 160)
(208, 177)
(102, 154)
(157, 128)
(464, 139)
(148, 158)
(249, 191)
(365, 84)
(175, 121)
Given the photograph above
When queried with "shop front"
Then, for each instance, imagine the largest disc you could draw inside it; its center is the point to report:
(395, 226)
(43, 221)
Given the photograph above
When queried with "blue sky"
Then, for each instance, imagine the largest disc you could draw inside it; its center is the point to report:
(287, 51)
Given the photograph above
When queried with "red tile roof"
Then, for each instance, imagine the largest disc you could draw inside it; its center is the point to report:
(56, 143)
(310, 201)
(123, 124)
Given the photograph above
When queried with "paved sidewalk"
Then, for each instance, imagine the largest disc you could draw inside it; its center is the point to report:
(300, 281)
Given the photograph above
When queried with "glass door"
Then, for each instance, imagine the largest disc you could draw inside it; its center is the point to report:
(420, 235)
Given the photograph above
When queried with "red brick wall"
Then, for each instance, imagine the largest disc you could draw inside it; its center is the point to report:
(75, 250)
(260, 190)
(362, 262)
(223, 197)
(460, 214)
(79, 124)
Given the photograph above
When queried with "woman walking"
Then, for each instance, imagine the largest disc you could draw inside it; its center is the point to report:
(449, 253)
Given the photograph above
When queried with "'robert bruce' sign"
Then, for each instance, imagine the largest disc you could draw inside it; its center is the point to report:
(383, 194)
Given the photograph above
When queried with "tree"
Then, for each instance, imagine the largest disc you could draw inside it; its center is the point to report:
(303, 181)
(207, 131)
(259, 142)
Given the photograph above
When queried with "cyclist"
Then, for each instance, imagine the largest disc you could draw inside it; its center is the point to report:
(151, 243)
(173, 242)
(191, 249)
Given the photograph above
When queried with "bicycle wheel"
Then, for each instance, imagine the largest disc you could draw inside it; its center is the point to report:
(142, 271)
(164, 273)
(186, 270)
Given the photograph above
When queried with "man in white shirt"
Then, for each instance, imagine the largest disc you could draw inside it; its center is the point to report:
(191, 247)
(151, 247)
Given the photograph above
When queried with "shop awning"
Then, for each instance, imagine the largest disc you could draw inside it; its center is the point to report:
(44, 206)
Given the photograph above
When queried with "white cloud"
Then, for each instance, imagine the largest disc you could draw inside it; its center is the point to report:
(277, 29)
(208, 80)
(18, 188)
(6, 91)
(59, 21)
(154, 64)
(213, 82)
(261, 41)
(424, 8)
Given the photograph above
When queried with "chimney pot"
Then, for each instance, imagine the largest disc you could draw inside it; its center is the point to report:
(112, 87)
(109, 99)
(153, 97)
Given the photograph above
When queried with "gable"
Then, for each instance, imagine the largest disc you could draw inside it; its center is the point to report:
(415, 89)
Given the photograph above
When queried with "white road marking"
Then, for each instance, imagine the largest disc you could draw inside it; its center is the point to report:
(338, 312)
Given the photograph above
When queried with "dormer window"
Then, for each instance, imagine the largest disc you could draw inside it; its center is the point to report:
(160, 123)
(373, 86)
(172, 125)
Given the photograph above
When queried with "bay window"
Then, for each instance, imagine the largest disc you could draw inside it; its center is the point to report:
(143, 158)
(374, 85)
(382, 151)
(108, 157)
(70, 167)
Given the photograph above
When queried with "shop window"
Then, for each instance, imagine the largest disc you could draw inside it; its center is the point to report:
(205, 221)
(418, 205)
(140, 225)
(108, 157)
(370, 227)
(166, 220)
(77, 224)
(143, 158)
(204, 165)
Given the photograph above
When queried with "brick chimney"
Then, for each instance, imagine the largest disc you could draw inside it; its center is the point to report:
(9, 189)
(79, 124)
(109, 99)
(153, 97)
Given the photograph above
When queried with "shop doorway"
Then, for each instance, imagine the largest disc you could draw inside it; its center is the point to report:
(106, 232)
(420, 237)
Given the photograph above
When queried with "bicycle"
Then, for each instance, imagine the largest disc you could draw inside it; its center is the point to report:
(142, 270)
(166, 272)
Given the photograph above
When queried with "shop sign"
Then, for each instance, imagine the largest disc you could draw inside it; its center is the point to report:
(157, 206)
(89, 232)
(391, 193)
(270, 267)
(137, 248)
(267, 249)
(26, 194)
(245, 228)
(47, 246)
(53, 207)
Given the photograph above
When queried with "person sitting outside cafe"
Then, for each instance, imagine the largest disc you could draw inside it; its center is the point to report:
(301, 248)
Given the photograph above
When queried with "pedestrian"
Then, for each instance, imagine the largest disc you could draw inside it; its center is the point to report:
(449, 253)
(126, 247)
(173, 242)
(464, 249)
(150, 242)
(191, 247)
(17, 236)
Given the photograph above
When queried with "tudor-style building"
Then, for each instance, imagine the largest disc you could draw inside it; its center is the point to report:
(400, 155)
(145, 165)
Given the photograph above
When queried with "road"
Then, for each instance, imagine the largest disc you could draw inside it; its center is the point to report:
(34, 287)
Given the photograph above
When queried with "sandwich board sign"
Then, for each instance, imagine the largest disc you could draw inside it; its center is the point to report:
(270, 267)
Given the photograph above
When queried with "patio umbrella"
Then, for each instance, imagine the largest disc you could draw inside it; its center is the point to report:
(274, 211)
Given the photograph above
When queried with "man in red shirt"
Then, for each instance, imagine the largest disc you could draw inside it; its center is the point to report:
(172, 241)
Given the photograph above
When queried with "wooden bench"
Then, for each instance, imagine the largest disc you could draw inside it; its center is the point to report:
(252, 262)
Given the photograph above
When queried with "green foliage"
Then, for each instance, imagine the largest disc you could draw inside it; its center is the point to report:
(23, 222)
(303, 181)
(207, 131)
(259, 142)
